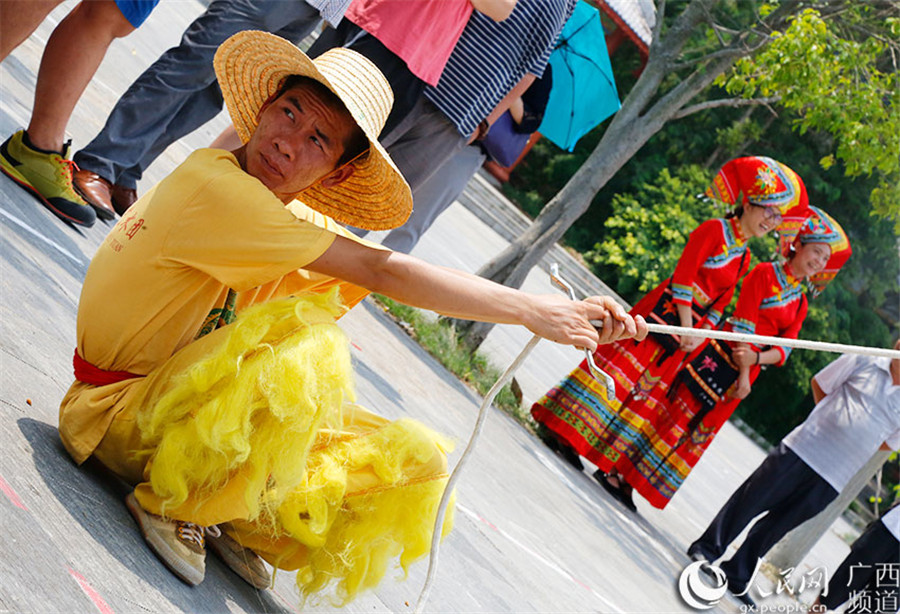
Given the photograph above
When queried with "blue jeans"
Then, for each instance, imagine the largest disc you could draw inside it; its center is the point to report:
(179, 93)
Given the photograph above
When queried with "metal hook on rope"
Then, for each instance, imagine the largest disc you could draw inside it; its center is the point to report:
(596, 371)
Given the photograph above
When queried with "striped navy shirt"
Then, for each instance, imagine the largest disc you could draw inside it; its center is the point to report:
(491, 58)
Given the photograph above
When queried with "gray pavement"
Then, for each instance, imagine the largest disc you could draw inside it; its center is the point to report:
(531, 535)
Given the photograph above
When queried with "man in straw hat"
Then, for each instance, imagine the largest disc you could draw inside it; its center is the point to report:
(244, 433)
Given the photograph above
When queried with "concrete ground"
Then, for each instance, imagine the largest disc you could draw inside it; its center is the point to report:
(532, 534)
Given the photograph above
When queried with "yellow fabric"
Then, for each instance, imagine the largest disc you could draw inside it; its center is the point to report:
(249, 425)
(170, 262)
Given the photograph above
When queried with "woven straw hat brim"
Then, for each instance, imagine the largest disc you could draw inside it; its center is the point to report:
(252, 65)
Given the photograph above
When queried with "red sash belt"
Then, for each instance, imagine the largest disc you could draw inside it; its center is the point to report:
(95, 376)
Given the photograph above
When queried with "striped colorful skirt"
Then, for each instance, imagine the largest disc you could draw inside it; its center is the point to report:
(650, 434)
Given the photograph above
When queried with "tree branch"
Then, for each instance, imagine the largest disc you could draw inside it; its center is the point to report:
(715, 55)
(657, 25)
(725, 102)
(666, 49)
(712, 24)
(696, 82)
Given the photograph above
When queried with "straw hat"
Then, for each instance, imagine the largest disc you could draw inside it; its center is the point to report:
(252, 65)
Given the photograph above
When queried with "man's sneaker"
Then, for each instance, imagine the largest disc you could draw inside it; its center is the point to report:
(47, 175)
(242, 561)
(179, 545)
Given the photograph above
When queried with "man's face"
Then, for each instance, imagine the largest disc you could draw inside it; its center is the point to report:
(298, 141)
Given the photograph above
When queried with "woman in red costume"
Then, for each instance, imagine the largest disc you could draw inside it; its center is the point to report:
(772, 303)
(578, 414)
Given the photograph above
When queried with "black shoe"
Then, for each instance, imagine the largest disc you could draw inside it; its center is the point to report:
(616, 491)
(566, 451)
(744, 597)
(570, 455)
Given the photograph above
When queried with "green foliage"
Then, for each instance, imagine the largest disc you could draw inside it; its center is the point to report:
(439, 339)
(641, 244)
(831, 82)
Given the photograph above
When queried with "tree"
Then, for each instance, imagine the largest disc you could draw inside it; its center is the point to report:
(848, 88)
(687, 56)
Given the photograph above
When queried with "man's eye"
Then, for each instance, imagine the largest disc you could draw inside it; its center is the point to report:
(316, 141)
(290, 114)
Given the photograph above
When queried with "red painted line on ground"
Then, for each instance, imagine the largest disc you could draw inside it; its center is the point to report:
(283, 600)
(11, 494)
(488, 522)
(582, 584)
(90, 592)
(356, 346)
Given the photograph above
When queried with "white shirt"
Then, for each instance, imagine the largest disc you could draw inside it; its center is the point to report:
(861, 410)
(891, 520)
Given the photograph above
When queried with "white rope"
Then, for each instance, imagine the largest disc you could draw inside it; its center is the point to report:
(654, 328)
(454, 476)
(819, 346)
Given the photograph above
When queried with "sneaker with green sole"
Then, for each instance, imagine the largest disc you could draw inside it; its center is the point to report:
(47, 175)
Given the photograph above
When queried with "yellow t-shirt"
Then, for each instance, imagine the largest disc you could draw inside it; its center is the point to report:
(170, 261)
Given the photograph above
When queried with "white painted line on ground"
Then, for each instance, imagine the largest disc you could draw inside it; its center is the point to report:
(577, 489)
(12, 218)
(608, 605)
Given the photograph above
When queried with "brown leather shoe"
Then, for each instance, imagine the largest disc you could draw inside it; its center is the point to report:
(122, 198)
(97, 191)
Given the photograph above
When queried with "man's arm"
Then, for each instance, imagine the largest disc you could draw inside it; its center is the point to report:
(516, 92)
(460, 295)
(498, 10)
(818, 393)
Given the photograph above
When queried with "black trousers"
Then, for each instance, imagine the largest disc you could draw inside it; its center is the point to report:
(787, 490)
(866, 570)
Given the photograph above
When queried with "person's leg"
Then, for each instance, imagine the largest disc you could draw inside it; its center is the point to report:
(765, 487)
(64, 73)
(348, 483)
(37, 158)
(876, 546)
(434, 195)
(178, 93)
(292, 21)
(18, 19)
(809, 496)
(406, 86)
(420, 145)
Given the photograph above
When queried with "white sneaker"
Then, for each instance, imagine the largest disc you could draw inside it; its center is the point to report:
(242, 561)
(179, 545)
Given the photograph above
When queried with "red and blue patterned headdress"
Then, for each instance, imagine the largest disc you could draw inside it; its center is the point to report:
(761, 181)
(819, 227)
